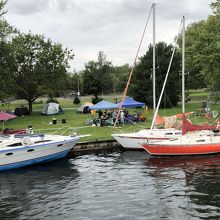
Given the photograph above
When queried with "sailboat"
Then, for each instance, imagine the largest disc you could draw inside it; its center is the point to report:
(203, 139)
(196, 140)
(134, 141)
(196, 143)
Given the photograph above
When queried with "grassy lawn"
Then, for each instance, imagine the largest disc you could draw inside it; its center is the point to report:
(76, 121)
(198, 95)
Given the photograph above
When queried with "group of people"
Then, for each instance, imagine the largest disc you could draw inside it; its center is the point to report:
(109, 117)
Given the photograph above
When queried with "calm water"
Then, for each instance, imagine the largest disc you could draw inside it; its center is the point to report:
(120, 185)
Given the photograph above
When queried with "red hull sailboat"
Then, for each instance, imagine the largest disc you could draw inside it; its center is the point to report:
(181, 149)
(203, 139)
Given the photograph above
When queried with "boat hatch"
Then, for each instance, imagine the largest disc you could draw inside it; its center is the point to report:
(169, 133)
(15, 144)
(42, 141)
(9, 154)
(200, 140)
(30, 150)
(174, 139)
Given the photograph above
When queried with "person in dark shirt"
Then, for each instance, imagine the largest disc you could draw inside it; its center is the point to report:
(100, 113)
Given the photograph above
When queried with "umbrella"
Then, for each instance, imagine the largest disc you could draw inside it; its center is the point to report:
(6, 116)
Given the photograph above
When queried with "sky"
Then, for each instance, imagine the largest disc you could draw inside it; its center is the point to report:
(112, 26)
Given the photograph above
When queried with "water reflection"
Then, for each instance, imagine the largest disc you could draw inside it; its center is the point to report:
(114, 185)
(22, 189)
(196, 178)
(184, 161)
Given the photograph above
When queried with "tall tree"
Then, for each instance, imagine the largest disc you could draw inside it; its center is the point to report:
(53, 63)
(6, 53)
(97, 77)
(216, 7)
(193, 32)
(141, 86)
(75, 82)
(203, 51)
(2, 7)
(120, 76)
(40, 66)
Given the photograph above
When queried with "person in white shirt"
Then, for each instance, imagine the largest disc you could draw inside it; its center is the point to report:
(122, 116)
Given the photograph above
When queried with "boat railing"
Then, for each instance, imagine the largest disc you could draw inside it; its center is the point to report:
(65, 130)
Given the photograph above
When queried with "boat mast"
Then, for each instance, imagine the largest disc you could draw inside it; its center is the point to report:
(154, 82)
(183, 65)
(165, 80)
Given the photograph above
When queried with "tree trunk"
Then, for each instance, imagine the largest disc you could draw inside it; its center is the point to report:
(30, 106)
(50, 98)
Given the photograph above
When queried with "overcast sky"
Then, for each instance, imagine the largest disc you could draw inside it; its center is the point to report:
(112, 26)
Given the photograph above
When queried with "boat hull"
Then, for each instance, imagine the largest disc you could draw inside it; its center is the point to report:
(34, 154)
(133, 142)
(182, 149)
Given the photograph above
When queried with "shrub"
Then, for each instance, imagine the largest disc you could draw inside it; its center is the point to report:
(76, 100)
(96, 100)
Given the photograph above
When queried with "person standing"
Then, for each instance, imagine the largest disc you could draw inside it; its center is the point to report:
(122, 116)
(100, 113)
(114, 116)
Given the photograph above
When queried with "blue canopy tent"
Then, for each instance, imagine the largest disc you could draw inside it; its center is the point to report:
(130, 103)
(103, 105)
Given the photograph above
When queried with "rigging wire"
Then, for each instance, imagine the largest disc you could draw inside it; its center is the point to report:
(133, 66)
(168, 70)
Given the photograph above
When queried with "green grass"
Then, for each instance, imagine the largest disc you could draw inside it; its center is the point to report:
(76, 121)
(198, 95)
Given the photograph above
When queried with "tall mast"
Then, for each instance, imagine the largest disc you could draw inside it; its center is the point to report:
(154, 81)
(183, 66)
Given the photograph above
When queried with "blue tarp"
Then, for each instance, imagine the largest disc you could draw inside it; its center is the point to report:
(104, 105)
(130, 103)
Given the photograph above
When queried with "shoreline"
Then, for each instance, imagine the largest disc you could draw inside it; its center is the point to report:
(89, 147)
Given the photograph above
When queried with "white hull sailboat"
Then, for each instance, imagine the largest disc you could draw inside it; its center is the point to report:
(24, 150)
(134, 141)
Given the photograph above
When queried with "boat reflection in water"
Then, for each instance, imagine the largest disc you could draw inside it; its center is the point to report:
(184, 161)
(196, 181)
(29, 193)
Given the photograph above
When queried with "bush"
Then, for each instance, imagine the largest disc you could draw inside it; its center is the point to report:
(96, 100)
(76, 100)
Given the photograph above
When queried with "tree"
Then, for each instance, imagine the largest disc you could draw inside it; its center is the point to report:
(203, 51)
(53, 63)
(141, 86)
(216, 7)
(97, 76)
(40, 67)
(6, 54)
(196, 80)
(6, 68)
(75, 82)
(120, 76)
(2, 6)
